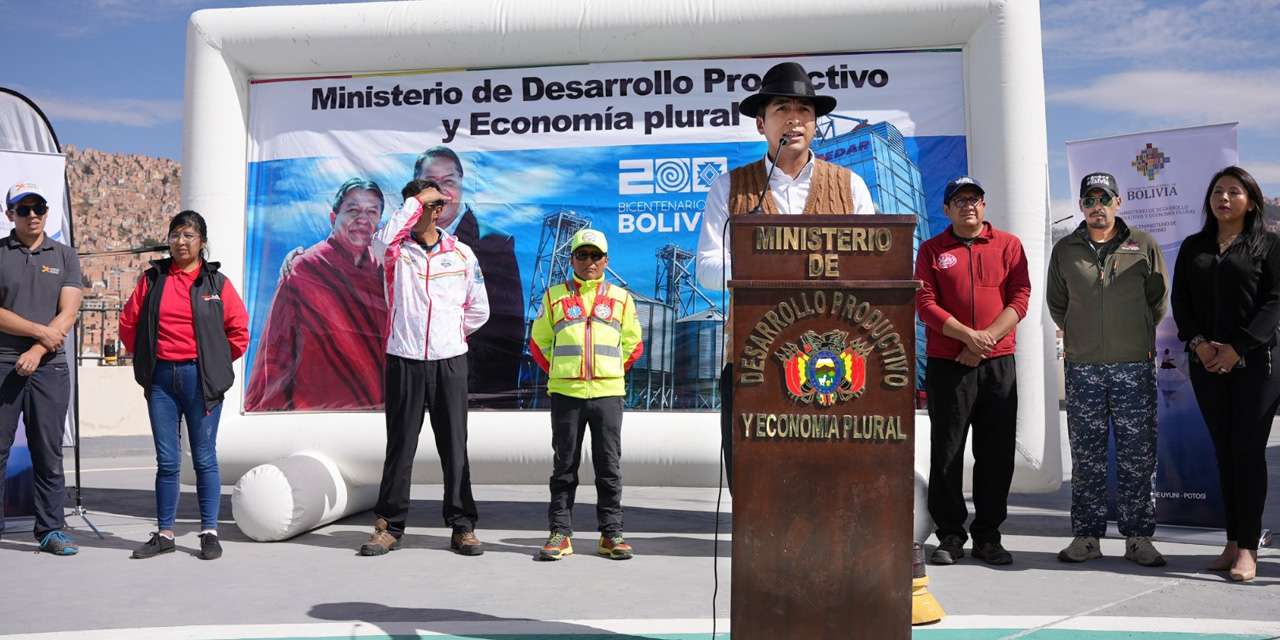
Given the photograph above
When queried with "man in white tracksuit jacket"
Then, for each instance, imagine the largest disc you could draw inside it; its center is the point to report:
(435, 299)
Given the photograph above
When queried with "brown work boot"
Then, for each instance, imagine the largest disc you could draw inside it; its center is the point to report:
(381, 541)
(466, 543)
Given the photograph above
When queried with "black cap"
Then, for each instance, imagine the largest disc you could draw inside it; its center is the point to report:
(958, 184)
(1104, 181)
(787, 79)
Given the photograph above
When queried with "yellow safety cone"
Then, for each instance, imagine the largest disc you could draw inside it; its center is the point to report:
(924, 607)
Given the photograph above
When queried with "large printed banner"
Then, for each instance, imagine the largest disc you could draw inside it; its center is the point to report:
(530, 155)
(1163, 176)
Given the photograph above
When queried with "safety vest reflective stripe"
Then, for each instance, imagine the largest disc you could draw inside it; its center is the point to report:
(607, 350)
(569, 350)
(569, 322)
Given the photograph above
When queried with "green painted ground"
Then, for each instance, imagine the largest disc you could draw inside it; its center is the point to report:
(917, 634)
(1067, 634)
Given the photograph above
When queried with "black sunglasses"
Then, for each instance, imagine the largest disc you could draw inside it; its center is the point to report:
(588, 255)
(26, 210)
(1088, 202)
(435, 204)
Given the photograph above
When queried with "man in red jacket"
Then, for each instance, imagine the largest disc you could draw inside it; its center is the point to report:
(974, 291)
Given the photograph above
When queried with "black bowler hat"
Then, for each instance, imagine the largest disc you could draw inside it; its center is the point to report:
(786, 79)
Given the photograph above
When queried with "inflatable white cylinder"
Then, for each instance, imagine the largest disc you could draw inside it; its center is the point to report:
(282, 499)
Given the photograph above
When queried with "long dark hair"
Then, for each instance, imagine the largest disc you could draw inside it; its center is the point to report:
(1254, 233)
(190, 218)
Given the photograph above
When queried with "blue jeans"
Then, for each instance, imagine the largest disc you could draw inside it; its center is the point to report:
(176, 393)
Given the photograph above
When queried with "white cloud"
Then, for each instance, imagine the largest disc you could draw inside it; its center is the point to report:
(530, 184)
(1203, 34)
(1266, 173)
(122, 111)
(1185, 97)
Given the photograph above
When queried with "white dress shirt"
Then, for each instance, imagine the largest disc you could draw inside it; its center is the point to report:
(714, 266)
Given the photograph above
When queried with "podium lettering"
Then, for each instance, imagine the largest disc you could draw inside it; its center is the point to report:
(867, 428)
(824, 265)
(823, 239)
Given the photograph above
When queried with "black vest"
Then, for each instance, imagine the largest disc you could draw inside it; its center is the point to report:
(213, 349)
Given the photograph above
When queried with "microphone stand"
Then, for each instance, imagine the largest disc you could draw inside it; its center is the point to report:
(773, 165)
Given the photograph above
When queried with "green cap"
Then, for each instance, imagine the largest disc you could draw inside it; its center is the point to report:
(590, 237)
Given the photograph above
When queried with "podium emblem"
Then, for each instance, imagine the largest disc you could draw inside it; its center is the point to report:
(823, 368)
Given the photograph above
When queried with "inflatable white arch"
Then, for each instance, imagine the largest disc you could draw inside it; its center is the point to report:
(309, 469)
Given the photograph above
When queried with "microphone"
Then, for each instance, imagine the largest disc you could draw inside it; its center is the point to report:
(774, 165)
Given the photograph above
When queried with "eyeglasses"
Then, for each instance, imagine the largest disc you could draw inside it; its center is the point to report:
(588, 255)
(26, 210)
(964, 202)
(435, 205)
(184, 238)
(1104, 200)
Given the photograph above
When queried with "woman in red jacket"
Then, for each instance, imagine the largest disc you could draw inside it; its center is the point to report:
(185, 325)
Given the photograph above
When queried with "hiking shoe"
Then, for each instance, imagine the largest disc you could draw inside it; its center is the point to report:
(466, 543)
(993, 553)
(1140, 550)
(950, 549)
(1081, 548)
(615, 547)
(210, 549)
(557, 546)
(57, 543)
(153, 547)
(381, 541)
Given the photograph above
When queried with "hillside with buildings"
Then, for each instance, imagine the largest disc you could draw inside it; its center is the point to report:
(118, 203)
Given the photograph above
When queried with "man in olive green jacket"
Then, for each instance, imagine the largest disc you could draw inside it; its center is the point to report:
(1107, 291)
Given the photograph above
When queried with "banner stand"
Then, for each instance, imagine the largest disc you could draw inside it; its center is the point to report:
(29, 131)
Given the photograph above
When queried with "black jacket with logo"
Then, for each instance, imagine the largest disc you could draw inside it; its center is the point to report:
(213, 349)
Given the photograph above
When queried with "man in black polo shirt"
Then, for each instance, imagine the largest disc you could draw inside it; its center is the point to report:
(39, 300)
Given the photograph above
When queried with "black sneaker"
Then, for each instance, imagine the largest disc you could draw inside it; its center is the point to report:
(949, 550)
(993, 553)
(209, 547)
(157, 545)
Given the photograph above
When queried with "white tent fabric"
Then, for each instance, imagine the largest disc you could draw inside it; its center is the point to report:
(1005, 88)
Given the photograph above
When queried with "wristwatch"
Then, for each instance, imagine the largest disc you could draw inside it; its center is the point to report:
(1196, 341)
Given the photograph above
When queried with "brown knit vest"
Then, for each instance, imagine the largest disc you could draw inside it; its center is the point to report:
(829, 190)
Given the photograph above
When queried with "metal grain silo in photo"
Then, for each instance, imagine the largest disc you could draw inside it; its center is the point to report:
(649, 382)
(699, 358)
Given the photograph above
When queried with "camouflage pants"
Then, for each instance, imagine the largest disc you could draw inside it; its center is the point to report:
(1102, 398)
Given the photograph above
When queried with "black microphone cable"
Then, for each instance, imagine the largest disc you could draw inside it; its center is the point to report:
(724, 308)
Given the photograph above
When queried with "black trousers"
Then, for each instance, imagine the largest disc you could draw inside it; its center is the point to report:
(986, 398)
(42, 399)
(1238, 408)
(570, 418)
(415, 388)
(726, 421)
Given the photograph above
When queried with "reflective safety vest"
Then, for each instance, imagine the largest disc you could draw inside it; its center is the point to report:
(585, 337)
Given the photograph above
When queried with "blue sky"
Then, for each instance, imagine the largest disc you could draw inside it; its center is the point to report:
(109, 73)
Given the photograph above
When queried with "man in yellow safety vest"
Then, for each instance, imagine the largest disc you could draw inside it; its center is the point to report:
(586, 335)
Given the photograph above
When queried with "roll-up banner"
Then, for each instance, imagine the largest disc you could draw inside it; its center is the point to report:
(1163, 176)
(534, 154)
(47, 170)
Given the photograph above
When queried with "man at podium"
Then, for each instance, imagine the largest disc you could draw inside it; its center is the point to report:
(789, 180)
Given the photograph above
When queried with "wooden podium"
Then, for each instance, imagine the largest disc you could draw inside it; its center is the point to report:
(823, 348)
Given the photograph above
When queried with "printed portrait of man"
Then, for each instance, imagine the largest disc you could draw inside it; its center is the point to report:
(322, 347)
(496, 348)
